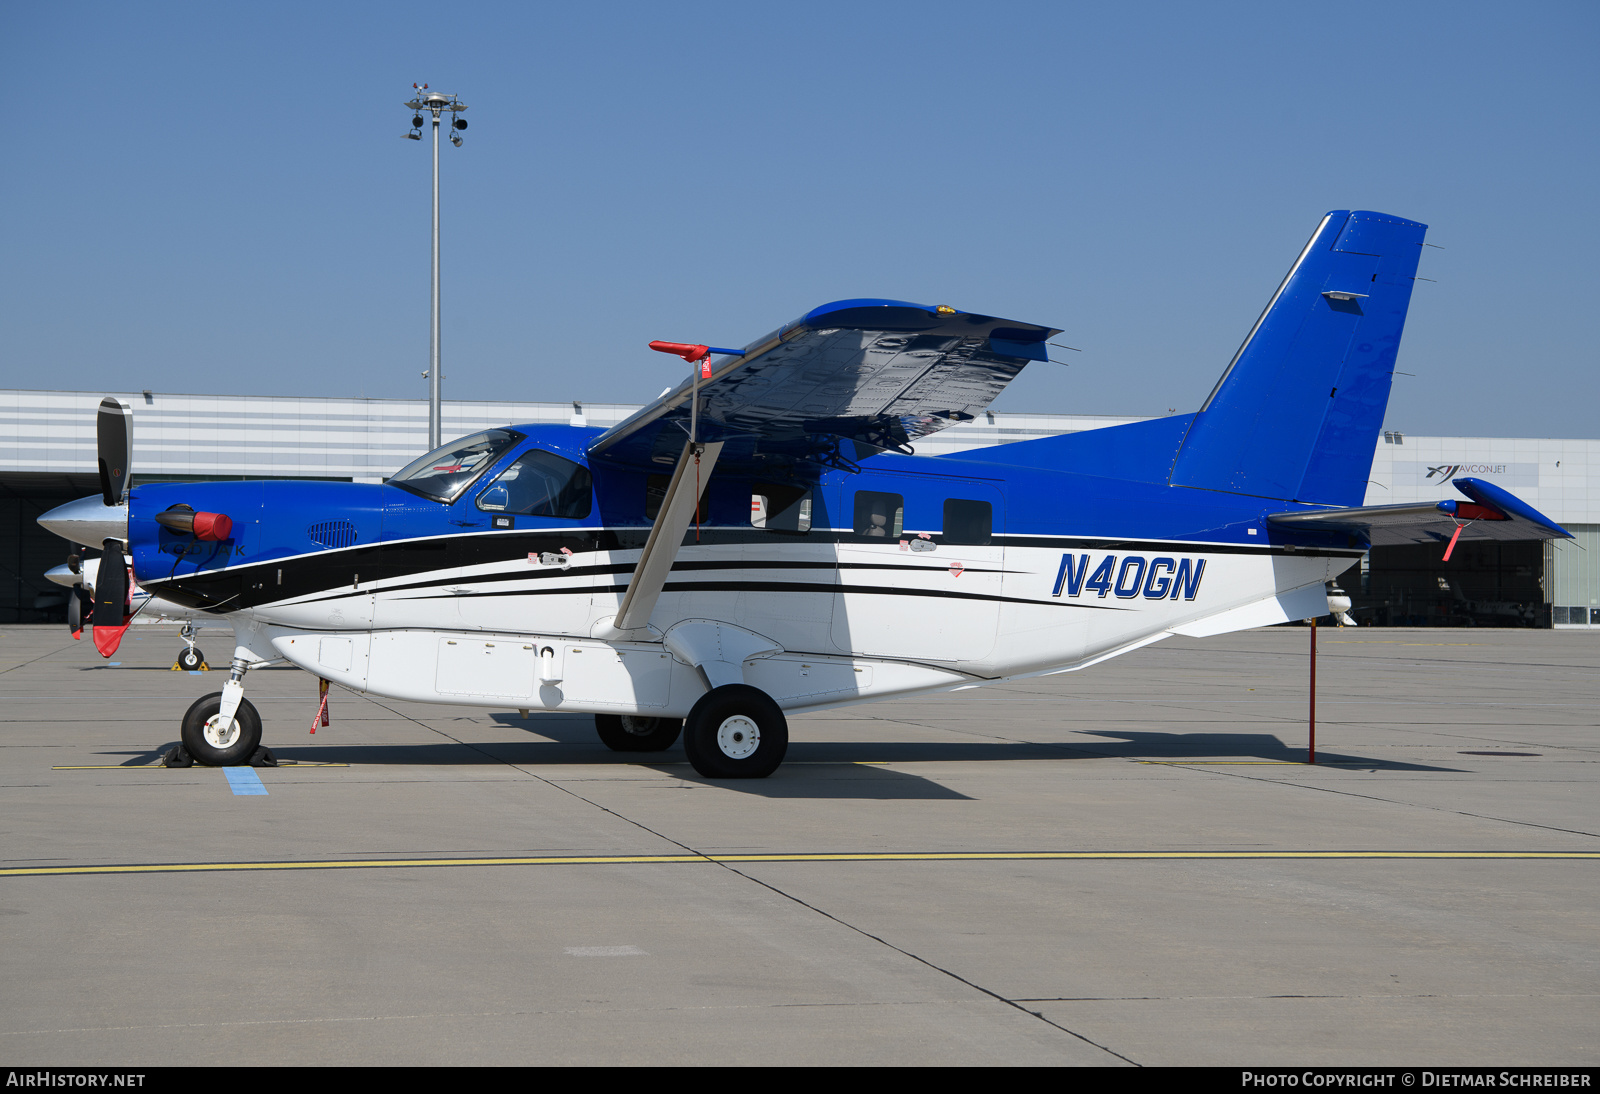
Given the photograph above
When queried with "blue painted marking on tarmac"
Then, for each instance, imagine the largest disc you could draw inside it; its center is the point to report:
(244, 780)
(113, 664)
(194, 672)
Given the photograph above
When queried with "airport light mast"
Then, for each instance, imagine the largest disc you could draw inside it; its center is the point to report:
(437, 104)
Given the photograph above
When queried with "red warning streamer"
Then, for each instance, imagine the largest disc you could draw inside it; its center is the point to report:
(321, 717)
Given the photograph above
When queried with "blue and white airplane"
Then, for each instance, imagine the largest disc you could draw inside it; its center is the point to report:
(762, 539)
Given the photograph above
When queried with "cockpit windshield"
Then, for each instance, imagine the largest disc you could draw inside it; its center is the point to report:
(445, 472)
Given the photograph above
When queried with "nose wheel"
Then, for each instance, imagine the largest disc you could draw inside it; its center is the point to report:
(191, 658)
(218, 743)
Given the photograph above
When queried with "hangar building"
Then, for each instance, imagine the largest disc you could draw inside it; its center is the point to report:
(47, 457)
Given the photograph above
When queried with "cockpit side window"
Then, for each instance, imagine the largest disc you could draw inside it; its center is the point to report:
(445, 473)
(540, 484)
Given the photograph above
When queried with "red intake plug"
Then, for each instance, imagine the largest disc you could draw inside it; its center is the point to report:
(212, 526)
(207, 526)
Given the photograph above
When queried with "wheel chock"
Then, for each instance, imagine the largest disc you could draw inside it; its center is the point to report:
(177, 756)
(175, 667)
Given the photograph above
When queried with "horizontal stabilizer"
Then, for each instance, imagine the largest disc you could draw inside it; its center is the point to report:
(1492, 513)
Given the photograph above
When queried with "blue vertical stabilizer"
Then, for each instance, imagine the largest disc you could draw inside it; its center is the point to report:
(1297, 412)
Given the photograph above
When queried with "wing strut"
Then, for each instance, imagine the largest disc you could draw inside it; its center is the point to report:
(666, 537)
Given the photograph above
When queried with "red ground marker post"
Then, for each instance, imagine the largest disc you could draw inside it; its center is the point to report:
(1311, 751)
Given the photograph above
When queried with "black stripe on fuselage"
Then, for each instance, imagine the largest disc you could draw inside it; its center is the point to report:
(747, 586)
(278, 580)
(1176, 546)
(628, 568)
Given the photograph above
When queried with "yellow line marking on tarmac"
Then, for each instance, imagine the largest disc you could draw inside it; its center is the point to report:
(873, 856)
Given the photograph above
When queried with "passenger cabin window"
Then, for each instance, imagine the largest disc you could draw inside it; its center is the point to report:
(780, 507)
(879, 514)
(445, 473)
(540, 484)
(969, 522)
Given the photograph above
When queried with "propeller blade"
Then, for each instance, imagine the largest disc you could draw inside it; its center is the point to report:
(75, 603)
(111, 587)
(114, 434)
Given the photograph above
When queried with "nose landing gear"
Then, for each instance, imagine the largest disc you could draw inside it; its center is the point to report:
(191, 659)
(222, 729)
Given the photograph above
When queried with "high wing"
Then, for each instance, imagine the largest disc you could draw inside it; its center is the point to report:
(1492, 513)
(879, 373)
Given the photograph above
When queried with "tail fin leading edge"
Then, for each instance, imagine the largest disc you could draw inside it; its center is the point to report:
(1297, 412)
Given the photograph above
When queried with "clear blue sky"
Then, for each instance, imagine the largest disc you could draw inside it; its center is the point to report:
(215, 197)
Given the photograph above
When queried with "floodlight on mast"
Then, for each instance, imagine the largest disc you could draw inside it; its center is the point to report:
(435, 103)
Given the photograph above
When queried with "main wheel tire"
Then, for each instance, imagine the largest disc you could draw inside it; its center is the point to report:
(191, 659)
(736, 732)
(636, 732)
(221, 750)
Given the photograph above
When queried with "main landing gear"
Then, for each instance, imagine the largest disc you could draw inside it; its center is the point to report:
(733, 732)
(736, 732)
(636, 732)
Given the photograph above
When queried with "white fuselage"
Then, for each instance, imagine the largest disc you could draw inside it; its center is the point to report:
(812, 624)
